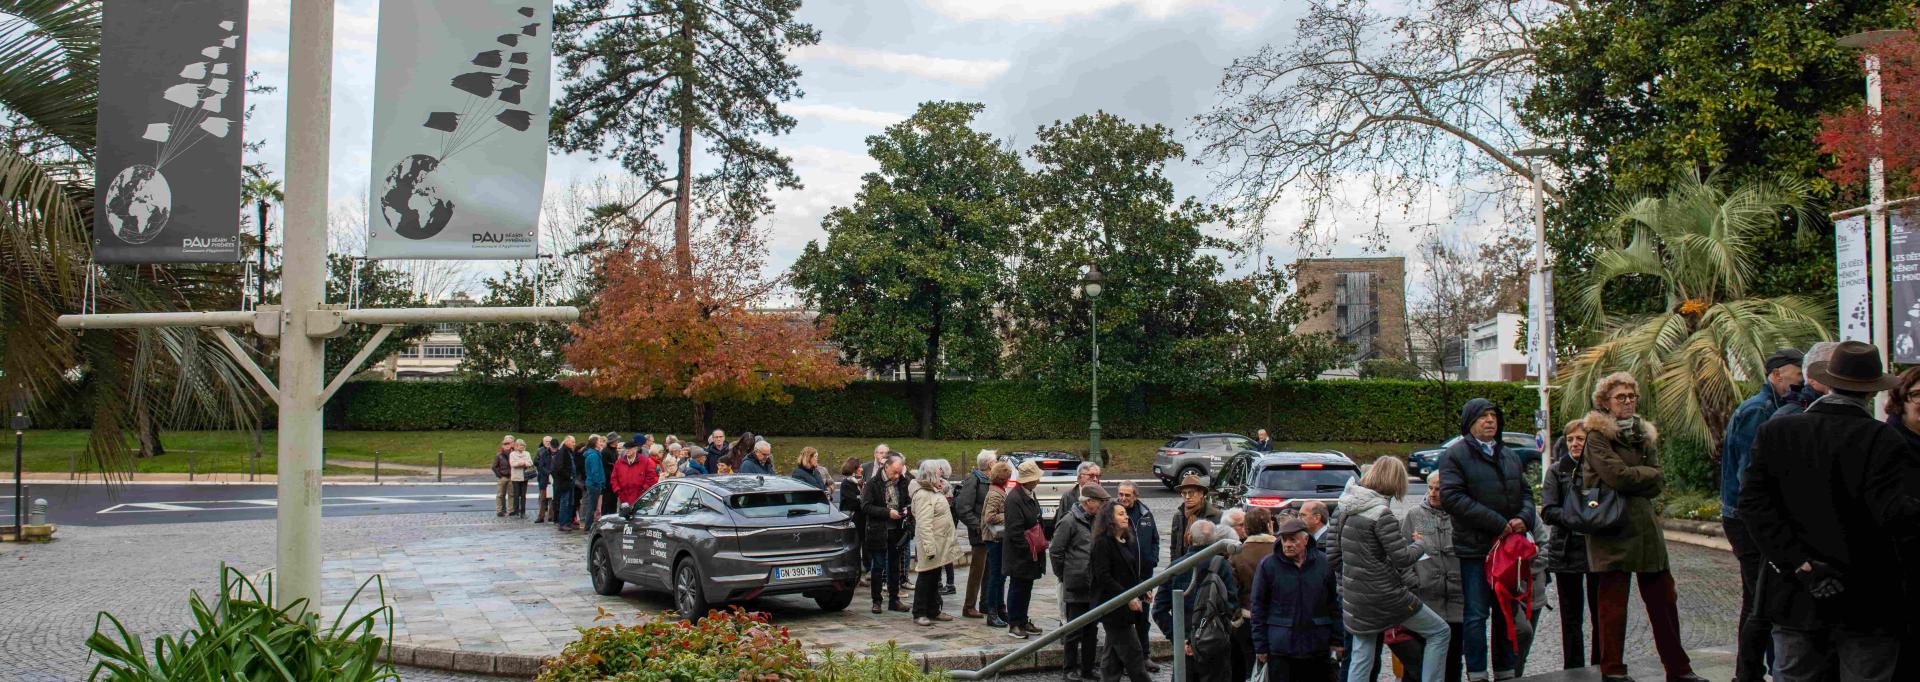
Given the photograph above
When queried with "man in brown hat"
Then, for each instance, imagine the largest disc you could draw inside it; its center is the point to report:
(1194, 506)
(1823, 501)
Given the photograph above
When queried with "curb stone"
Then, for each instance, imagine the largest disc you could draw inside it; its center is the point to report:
(527, 665)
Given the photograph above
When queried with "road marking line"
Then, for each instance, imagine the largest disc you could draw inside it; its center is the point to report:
(376, 500)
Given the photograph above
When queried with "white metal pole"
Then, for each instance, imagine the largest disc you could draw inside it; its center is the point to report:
(309, 103)
(1545, 322)
(1877, 221)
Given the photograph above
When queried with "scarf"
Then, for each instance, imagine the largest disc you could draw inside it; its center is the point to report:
(1630, 430)
(1834, 398)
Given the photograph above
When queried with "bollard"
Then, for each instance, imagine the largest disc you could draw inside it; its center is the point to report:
(376, 466)
(439, 464)
(38, 517)
(73, 463)
(190, 467)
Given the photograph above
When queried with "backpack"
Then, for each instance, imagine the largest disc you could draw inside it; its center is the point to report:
(1212, 616)
(1510, 572)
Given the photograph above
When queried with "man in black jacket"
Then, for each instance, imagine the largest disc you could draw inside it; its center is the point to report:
(1823, 499)
(566, 489)
(887, 504)
(968, 505)
(1484, 488)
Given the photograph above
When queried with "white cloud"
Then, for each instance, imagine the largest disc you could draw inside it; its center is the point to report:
(840, 114)
(973, 72)
(832, 178)
(1053, 11)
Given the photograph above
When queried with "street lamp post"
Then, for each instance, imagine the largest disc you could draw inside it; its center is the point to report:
(1543, 326)
(1090, 287)
(1876, 199)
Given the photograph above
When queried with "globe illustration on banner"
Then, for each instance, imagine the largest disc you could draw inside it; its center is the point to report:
(410, 202)
(138, 203)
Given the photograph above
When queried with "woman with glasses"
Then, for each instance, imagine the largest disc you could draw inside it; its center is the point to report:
(1623, 454)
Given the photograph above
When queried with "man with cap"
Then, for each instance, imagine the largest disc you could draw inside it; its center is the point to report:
(1194, 506)
(1802, 396)
(1755, 636)
(1072, 554)
(1296, 617)
(1823, 501)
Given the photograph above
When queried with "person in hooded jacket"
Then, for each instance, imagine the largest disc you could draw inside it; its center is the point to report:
(1484, 489)
(1623, 454)
(1375, 559)
(1437, 573)
(1295, 609)
(1565, 554)
(1071, 553)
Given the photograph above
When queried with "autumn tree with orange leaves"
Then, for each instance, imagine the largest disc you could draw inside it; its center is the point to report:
(1849, 137)
(650, 332)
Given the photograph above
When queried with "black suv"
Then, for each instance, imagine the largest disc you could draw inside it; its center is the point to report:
(1277, 480)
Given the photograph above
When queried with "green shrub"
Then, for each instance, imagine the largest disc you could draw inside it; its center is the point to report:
(1390, 368)
(241, 636)
(1382, 410)
(1688, 467)
(726, 645)
(1689, 504)
(881, 663)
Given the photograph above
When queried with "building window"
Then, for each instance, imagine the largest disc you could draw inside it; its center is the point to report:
(1484, 344)
(446, 351)
(1355, 314)
(446, 328)
(410, 352)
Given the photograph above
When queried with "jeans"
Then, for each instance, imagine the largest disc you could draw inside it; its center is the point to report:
(1479, 608)
(564, 505)
(1083, 644)
(590, 504)
(1019, 594)
(1413, 656)
(1579, 593)
(1754, 643)
(1836, 654)
(882, 567)
(996, 597)
(1663, 618)
(1427, 624)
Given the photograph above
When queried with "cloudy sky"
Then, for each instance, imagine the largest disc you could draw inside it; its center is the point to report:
(1030, 62)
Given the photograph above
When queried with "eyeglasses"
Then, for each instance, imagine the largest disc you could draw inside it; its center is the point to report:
(1629, 397)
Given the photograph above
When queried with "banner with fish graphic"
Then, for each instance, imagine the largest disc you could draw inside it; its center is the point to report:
(167, 157)
(459, 129)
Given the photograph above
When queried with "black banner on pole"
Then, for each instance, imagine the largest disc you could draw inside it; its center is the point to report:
(1903, 285)
(172, 96)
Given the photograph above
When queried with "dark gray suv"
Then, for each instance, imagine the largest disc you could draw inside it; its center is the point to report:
(1284, 480)
(714, 539)
(1200, 454)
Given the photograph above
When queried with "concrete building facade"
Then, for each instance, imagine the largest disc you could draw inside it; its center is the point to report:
(1366, 303)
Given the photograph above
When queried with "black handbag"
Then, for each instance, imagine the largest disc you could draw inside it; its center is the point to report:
(1598, 510)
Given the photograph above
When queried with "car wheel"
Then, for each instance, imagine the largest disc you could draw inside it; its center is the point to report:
(689, 596)
(1190, 470)
(832, 602)
(600, 565)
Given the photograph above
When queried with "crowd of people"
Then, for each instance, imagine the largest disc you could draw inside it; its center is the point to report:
(1818, 501)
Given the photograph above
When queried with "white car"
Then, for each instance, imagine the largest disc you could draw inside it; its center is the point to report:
(1059, 471)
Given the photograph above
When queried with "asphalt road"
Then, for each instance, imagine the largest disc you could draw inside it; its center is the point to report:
(96, 504)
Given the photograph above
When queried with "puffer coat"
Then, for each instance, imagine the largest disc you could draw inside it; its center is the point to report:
(1071, 552)
(1629, 463)
(1482, 490)
(1375, 560)
(1565, 550)
(1437, 572)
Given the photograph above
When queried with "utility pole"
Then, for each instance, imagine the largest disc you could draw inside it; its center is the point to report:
(1876, 208)
(1542, 322)
(303, 321)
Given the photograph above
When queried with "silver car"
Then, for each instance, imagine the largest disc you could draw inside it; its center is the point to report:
(1199, 454)
(709, 540)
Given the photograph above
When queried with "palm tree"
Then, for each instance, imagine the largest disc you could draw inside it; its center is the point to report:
(1695, 245)
(125, 382)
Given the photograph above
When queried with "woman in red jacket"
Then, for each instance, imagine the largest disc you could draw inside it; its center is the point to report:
(634, 473)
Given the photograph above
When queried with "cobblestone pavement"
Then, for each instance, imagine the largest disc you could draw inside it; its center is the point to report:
(143, 574)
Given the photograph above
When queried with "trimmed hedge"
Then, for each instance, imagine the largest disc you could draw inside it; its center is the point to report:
(1363, 410)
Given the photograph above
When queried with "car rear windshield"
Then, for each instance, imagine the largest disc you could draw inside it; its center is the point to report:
(782, 504)
(1292, 477)
(1176, 442)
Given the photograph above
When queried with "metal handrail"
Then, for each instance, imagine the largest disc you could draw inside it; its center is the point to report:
(1093, 616)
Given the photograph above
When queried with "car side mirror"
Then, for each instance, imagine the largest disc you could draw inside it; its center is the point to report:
(626, 511)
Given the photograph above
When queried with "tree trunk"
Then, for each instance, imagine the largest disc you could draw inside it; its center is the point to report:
(929, 386)
(683, 185)
(147, 431)
(520, 407)
(702, 417)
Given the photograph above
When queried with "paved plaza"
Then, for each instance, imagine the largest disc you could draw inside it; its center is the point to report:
(474, 582)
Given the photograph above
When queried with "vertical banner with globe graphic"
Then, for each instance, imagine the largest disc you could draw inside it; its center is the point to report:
(172, 96)
(459, 129)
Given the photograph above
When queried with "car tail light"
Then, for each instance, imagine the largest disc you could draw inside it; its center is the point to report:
(1174, 452)
(1266, 502)
(1313, 466)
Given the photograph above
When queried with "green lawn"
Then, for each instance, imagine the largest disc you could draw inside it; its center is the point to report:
(227, 451)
